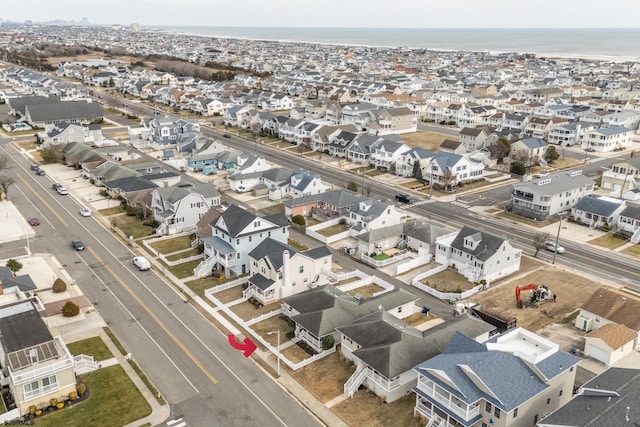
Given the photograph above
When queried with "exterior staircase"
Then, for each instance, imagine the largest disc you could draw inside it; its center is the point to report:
(84, 363)
(204, 268)
(636, 237)
(436, 421)
(355, 381)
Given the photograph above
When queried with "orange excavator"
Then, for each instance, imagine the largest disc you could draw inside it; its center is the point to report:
(538, 294)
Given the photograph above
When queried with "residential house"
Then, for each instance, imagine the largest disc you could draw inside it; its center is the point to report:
(568, 134)
(385, 153)
(247, 172)
(406, 164)
(597, 212)
(604, 140)
(317, 312)
(448, 170)
(538, 127)
(392, 121)
(66, 132)
(233, 235)
(297, 184)
(129, 187)
(277, 270)
(369, 214)
(478, 255)
(476, 138)
(171, 132)
(330, 204)
(82, 112)
(385, 350)
(546, 197)
(359, 151)
(602, 401)
(514, 380)
(452, 146)
(356, 114)
(36, 366)
(178, 209)
(340, 143)
(629, 222)
(623, 176)
(529, 151)
(515, 122)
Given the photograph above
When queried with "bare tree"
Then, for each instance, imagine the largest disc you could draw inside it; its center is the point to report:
(448, 179)
(4, 163)
(539, 240)
(5, 182)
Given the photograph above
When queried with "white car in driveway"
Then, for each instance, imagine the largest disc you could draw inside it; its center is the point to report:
(551, 246)
(85, 212)
(142, 263)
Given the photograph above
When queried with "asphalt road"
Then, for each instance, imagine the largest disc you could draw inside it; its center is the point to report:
(185, 356)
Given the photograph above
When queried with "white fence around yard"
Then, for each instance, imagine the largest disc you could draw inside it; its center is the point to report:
(414, 263)
(313, 231)
(383, 263)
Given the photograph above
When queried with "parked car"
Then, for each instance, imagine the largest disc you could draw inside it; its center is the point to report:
(56, 185)
(551, 246)
(77, 245)
(226, 135)
(62, 191)
(40, 172)
(142, 263)
(403, 198)
(85, 212)
(34, 167)
(34, 220)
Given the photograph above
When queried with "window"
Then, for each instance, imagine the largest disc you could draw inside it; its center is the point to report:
(280, 275)
(560, 393)
(571, 369)
(496, 412)
(31, 389)
(249, 238)
(548, 400)
(515, 413)
(302, 269)
(488, 407)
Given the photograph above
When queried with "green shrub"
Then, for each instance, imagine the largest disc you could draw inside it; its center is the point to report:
(518, 168)
(69, 309)
(299, 220)
(59, 286)
(328, 342)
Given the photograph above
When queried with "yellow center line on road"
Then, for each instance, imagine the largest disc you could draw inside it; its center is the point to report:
(43, 201)
(156, 319)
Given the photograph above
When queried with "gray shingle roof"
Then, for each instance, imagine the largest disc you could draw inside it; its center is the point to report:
(260, 281)
(597, 206)
(21, 327)
(631, 212)
(487, 247)
(555, 184)
(272, 250)
(64, 110)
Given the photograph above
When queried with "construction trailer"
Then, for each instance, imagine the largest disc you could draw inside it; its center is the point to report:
(502, 321)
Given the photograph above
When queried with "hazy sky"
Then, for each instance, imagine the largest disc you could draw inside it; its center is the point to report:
(338, 13)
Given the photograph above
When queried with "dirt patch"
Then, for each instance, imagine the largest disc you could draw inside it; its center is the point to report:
(367, 409)
(366, 291)
(247, 311)
(572, 290)
(325, 378)
(428, 140)
(229, 295)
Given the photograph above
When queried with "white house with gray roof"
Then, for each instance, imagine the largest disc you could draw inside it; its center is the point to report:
(543, 198)
(277, 270)
(597, 212)
(369, 214)
(179, 209)
(513, 380)
(233, 235)
(608, 139)
(478, 255)
(450, 169)
(385, 350)
(385, 153)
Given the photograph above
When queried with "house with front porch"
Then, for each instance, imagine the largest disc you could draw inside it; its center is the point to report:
(478, 255)
(597, 212)
(609, 139)
(545, 197)
(317, 313)
(179, 208)
(392, 121)
(406, 164)
(476, 138)
(233, 235)
(385, 350)
(168, 132)
(340, 143)
(629, 222)
(623, 175)
(296, 184)
(568, 134)
(277, 270)
(36, 366)
(448, 170)
(385, 153)
(359, 151)
(67, 132)
(512, 380)
(369, 214)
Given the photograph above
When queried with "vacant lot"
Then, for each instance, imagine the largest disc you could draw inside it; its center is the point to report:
(367, 409)
(325, 378)
(572, 291)
(428, 140)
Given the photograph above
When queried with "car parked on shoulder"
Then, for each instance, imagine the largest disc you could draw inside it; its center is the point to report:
(142, 263)
(40, 172)
(551, 246)
(77, 245)
(85, 212)
(34, 167)
(34, 220)
(62, 191)
(56, 185)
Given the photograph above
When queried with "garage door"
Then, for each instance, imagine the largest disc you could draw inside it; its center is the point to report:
(598, 354)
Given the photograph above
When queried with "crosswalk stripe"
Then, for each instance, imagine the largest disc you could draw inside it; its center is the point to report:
(172, 422)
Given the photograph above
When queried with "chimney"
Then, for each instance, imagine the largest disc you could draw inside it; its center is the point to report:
(165, 183)
(286, 275)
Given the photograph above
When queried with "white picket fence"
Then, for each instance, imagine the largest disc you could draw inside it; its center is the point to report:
(228, 285)
(383, 263)
(263, 317)
(448, 295)
(414, 263)
(181, 260)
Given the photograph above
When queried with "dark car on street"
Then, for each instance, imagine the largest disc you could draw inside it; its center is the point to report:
(34, 220)
(77, 245)
(403, 198)
(40, 172)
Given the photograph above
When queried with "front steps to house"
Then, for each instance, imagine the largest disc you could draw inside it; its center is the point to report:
(355, 381)
(204, 268)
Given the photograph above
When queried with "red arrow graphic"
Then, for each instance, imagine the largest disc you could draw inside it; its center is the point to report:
(248, 347)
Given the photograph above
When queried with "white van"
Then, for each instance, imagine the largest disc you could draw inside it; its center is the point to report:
(142, 263)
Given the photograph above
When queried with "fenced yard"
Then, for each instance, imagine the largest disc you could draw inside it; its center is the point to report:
(332, 230)
(325, 378)
(366, 291)
(448, 280)
(273, 324)
(168, 246)
(247, 311)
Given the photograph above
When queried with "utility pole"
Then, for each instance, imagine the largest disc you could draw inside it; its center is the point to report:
(557, 237)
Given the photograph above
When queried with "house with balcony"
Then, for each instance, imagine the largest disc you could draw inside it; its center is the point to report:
(624, 175)
(36, 366)
(359, 150)
(513, 380)
(392, 121)
(597, 212)
(447, 170)
(356, 114)
(406, 164)
(515, 123)
(478, 255)
(330, 204)
(385, 153)
(385, 350)
(233, 235)
(171, 132)
(179, 208)
(277, 270)
(568, 134)
(67, 132)
(316, 313)
(546, 197)
(340, 143)
(295, 185)
(609, 139)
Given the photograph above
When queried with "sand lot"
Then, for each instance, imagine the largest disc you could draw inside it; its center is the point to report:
(571, 289)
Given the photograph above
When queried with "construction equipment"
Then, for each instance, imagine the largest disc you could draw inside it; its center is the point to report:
(538, 294)
(502, 321)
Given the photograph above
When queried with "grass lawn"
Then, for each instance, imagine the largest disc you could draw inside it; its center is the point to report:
(366, 291)
(113, 394)
(132, 226)
(325, 377)
(247, 311)
(93, 346)
(111, 211)
(448, 280)
(413, 184)
(429, 140)
(185, 269)
(274, 323)
(609, 241)
(297, 245)
(367, 409)
(475, 185)
(27, 145)
(295, 354)
(381, 257)
(331, 230)
(229, 295)
(311, 221)
(375, 172)
(172, 245)
(632, 250)
(418, 318)
(183, 254)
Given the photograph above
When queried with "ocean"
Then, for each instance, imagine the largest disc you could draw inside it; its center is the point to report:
(611, 44)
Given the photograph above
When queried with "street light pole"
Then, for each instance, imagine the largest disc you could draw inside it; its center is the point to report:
(278, 333)
(557, 237)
